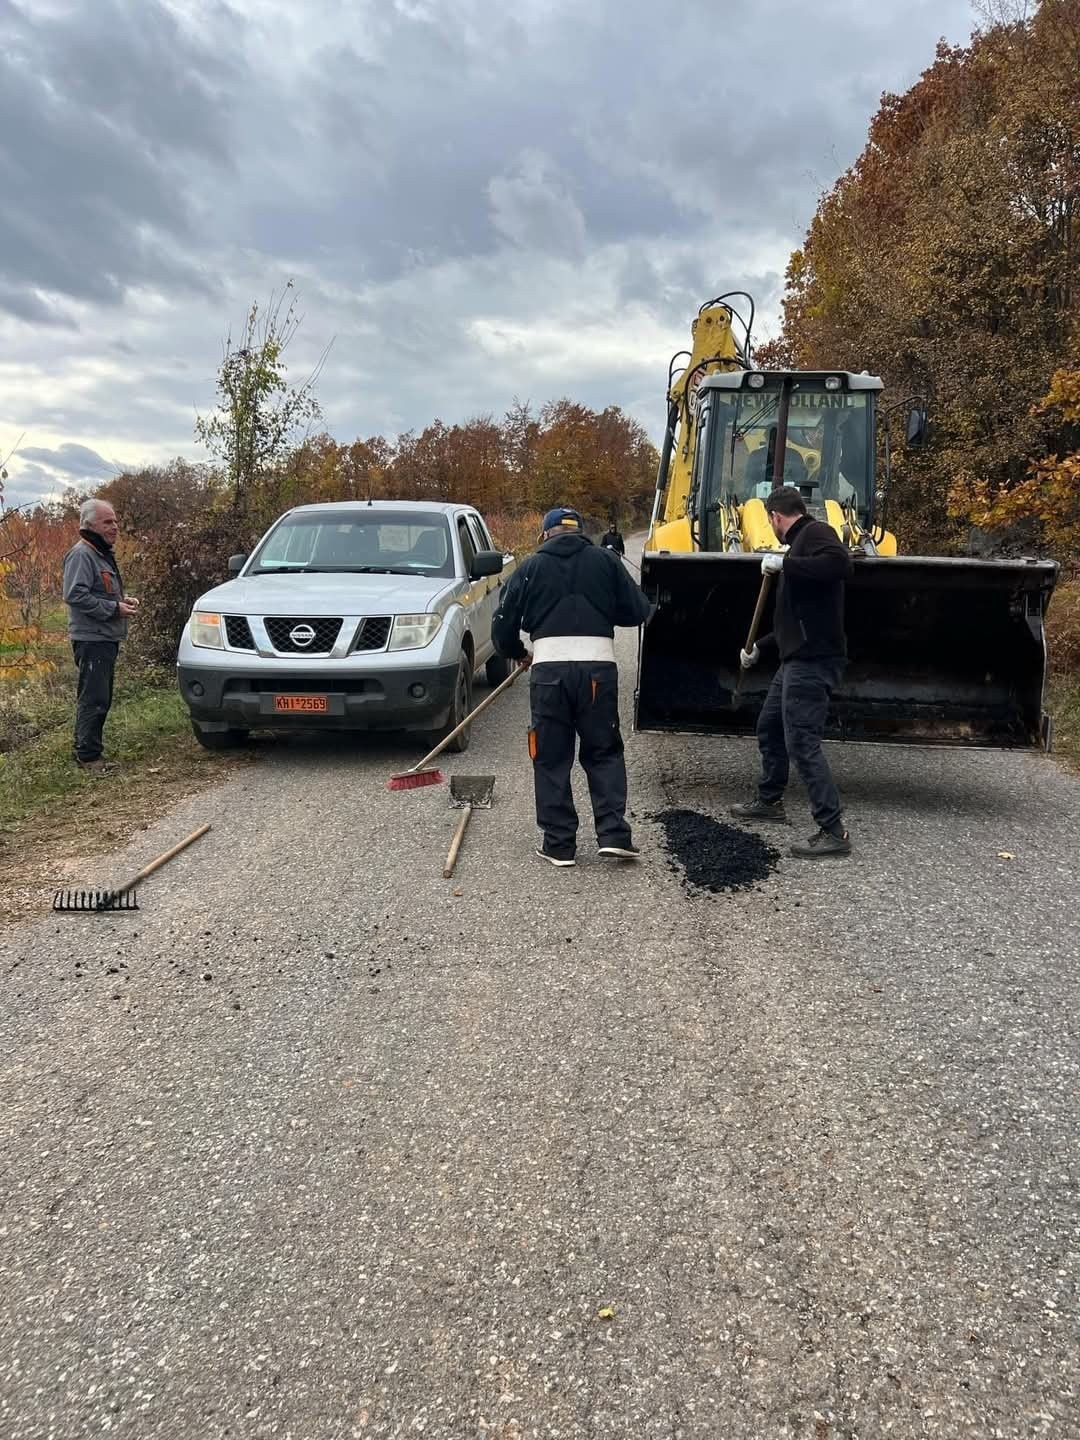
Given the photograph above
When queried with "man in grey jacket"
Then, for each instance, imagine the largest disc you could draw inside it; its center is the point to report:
(98, 614)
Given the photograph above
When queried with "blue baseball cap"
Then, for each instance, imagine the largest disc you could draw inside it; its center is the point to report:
(562, 516)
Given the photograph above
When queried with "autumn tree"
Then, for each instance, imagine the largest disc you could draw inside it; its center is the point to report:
(946, 260)
(259, 413)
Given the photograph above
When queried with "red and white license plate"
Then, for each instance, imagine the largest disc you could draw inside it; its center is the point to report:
(305, 704)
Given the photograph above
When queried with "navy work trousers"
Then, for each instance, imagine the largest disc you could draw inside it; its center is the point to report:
(96, 660)
(790, 727)
(571, 699)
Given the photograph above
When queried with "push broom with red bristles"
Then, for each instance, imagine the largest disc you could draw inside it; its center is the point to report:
(420, 774)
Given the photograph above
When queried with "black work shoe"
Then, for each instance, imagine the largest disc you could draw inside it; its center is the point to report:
(563, 861)
(822, 844)
(620, 852)
(761, 810)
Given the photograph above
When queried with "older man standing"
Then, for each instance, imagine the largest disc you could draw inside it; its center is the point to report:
(98, 614)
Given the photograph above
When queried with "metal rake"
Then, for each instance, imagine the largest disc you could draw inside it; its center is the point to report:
(85, 902)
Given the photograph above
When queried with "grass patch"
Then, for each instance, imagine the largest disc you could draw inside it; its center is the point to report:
(38, 774)
(1063, 702)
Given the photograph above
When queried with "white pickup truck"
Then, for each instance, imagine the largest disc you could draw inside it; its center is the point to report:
(348, 616)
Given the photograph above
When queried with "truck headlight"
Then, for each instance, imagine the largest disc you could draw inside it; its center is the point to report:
(205, 630)
(413, 632)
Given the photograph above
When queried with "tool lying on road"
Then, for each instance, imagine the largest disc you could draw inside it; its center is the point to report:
(415, 777)
(755, 625)
(473, 792)
(71, 902)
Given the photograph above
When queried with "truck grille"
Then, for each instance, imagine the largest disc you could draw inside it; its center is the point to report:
(280, 628)
(238, 632)
(373, 633)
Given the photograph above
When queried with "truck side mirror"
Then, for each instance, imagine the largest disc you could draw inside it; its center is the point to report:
(915, 434)
(485, 562)
(237, 563)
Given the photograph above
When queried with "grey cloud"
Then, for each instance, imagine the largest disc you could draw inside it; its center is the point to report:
(436, 175)
(29, 305)
(116, 109)
(533, 209)
(71, 459)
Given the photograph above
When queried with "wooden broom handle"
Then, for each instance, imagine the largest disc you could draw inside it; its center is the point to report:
(469, 718)
(161, 859)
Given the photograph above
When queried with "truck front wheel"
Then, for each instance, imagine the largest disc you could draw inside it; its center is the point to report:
(461, 706)
(218, 739)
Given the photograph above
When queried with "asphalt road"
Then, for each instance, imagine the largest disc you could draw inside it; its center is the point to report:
(317, 1144)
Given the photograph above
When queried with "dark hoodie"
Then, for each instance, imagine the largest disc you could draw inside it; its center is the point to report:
(808, 619)
(568, 587)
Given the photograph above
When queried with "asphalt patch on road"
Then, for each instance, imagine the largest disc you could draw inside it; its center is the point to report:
(713, 856)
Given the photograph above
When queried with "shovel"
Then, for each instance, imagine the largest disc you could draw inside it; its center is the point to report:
(755, 625)
(471, 792)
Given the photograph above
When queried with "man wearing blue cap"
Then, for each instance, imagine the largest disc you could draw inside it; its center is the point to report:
(568, 598)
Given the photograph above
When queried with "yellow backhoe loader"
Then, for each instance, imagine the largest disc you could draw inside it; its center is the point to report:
(940, 650)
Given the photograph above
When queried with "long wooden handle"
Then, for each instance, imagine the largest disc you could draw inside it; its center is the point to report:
(759, 609)
(161, 859)
(455, 844)
(504, 685)
(755, 623)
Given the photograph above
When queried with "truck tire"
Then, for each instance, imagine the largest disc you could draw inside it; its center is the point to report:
(219, 739)
(496, 670)
(461, 706)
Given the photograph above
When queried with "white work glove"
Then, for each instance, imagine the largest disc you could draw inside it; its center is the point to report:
(772, 563)
(749, 658)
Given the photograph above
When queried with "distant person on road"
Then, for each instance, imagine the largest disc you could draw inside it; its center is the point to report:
(809, 637)
(568, 598)
(98, 614)
(612, 540)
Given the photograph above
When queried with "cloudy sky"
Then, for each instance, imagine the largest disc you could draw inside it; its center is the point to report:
(476, 201)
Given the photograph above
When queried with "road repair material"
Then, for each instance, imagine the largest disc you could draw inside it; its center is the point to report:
(73, 902)
(471, 792)
(714, 856)
(418, 775)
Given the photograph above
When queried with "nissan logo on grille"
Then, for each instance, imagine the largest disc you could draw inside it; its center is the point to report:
(302, 635)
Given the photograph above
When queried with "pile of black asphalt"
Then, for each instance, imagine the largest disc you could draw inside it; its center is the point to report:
(713, 856)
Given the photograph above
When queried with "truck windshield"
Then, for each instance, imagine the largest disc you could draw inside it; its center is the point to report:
(828, 454)
(358, 541)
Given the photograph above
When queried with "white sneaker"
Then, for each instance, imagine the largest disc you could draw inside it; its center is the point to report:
(554, 859)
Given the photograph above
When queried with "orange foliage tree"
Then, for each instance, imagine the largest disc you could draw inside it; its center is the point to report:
(947, 259)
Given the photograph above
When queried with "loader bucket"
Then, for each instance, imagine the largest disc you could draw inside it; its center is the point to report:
(940, 651)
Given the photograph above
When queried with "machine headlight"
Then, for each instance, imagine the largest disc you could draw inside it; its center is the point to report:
(413, 632)
(832, 382)
(205, 630)
(755, 380)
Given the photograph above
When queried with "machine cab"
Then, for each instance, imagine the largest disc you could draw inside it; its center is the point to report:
(756, 429)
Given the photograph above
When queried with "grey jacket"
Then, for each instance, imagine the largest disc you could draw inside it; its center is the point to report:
(92, 592)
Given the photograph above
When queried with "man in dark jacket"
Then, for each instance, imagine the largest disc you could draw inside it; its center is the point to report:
(568, 598)
(98, 615)
(808, 634)
(612, 540)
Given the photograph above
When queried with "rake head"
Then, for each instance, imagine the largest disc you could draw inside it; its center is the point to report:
(414, 779)
(80, 902)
